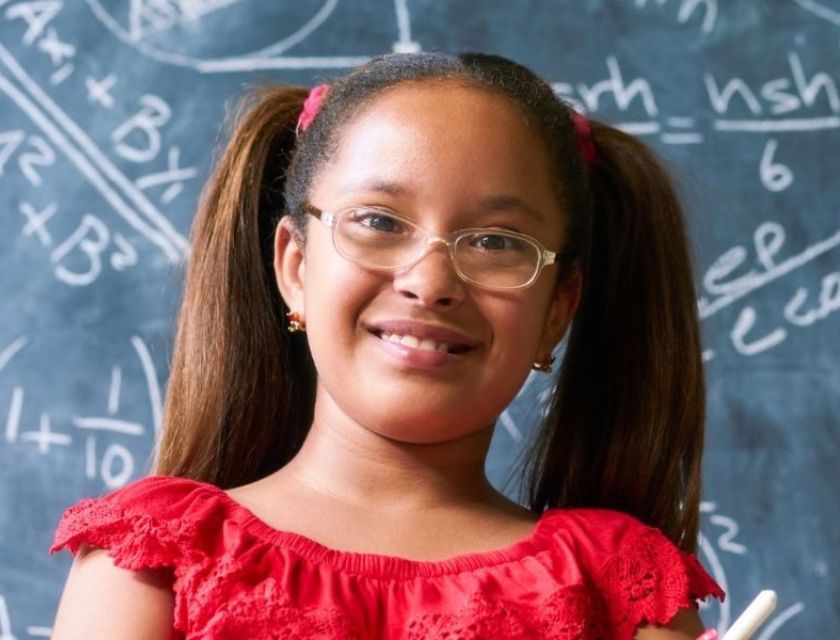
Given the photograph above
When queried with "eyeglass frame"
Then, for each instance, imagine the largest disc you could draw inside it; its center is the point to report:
(546, 256)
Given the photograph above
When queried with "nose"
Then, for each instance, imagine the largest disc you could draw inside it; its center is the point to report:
(432, 280)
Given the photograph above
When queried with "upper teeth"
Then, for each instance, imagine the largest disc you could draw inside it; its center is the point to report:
(416, 343)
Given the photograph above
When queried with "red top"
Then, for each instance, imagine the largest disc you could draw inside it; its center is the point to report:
(580, 574)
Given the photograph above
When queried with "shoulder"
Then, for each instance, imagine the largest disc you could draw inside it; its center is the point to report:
(158, 492)
(637, 572)
(590, 519)
(601, 533)
(103, 600)
(614, 542)
(150, 522)
(139, 551)
(150, 493)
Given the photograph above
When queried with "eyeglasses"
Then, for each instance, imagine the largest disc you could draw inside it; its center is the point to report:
(378, 238)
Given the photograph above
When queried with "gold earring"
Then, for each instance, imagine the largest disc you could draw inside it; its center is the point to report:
(544, 365)
(296, 323)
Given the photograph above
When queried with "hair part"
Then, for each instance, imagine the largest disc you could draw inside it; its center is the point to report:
(625, 426)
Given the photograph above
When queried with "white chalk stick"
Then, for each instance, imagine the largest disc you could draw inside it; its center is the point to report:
(753, 617)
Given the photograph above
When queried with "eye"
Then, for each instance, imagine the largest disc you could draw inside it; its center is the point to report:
(376, 220)
(496, 242)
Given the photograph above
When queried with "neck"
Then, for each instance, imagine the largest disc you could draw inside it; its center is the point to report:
(346, 462)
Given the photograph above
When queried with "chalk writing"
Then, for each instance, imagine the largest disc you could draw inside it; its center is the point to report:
(5, 621)
(727, 544)
(821, 9)
(784, 96)
(774, 176)
(706, 9)
(152, 115)
(33, 151)
(116, 465)
(6, 625)
(118, 192)
(270, 56)
(768, 240)
(99, 91)
(779, 96)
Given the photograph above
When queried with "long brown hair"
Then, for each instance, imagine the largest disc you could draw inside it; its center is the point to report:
(241, 389)
(625, 426)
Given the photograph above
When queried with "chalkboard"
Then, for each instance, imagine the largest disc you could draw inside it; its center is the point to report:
(110, 116)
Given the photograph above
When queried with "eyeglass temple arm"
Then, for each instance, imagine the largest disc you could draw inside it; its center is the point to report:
(549, 257)
(555, 257)
(327, 217)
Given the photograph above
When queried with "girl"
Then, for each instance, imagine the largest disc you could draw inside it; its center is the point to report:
(376, 267)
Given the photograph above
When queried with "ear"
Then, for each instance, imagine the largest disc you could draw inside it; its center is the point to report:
(561, 311)
(289, 264)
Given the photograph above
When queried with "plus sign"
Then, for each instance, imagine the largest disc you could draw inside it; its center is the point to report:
(98, 90)
(36, 221)
(45, 436)
(55, 48)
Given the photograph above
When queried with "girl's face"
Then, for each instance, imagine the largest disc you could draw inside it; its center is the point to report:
(447, 157)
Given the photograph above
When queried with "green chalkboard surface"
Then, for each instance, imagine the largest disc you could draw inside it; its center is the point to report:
(109, 117)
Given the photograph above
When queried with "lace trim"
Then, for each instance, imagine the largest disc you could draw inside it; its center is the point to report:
(220, 604)
(647, 582)
(135, 540)
(567, 614)
(266, 612)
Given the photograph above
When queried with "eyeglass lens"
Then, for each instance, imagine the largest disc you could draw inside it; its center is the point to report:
(492, 258)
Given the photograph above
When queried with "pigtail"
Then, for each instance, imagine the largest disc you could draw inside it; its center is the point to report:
(241, 390)
(625, 426)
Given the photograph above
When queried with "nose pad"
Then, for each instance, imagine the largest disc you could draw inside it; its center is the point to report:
(432, 278)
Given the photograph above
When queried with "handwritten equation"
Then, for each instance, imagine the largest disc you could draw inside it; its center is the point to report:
(803, 309)
(112, 463)
(55, 143)
(782, 105)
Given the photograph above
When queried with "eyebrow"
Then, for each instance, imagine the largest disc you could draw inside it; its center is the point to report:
(510, 203)
(500, 202)
(376, 184)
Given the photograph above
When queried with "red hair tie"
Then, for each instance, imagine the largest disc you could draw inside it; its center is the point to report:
(583, 137)
(311, 106)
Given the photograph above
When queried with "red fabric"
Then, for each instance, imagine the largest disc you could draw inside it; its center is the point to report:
(581, 573)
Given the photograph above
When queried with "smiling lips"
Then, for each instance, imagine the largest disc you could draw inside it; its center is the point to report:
(426, 344)
(422, 344)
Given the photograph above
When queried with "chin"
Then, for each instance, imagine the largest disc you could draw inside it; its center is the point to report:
(421, 432)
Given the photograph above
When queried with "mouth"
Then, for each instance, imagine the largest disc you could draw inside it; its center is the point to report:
(423, 344)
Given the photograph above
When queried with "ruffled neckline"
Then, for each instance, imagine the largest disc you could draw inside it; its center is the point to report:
(386, 566)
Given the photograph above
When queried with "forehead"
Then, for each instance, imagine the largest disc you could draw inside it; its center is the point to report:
(444, 141)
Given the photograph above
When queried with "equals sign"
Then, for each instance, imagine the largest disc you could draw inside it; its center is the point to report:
(681, 138)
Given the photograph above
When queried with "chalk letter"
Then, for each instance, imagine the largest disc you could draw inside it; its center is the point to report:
(742, 327)
(36, 14)
(92, 248)
(720, 99)
(152, 116)
(810, 90)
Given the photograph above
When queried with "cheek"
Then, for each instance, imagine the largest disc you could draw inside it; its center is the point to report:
(517, 328)
(335, 294)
